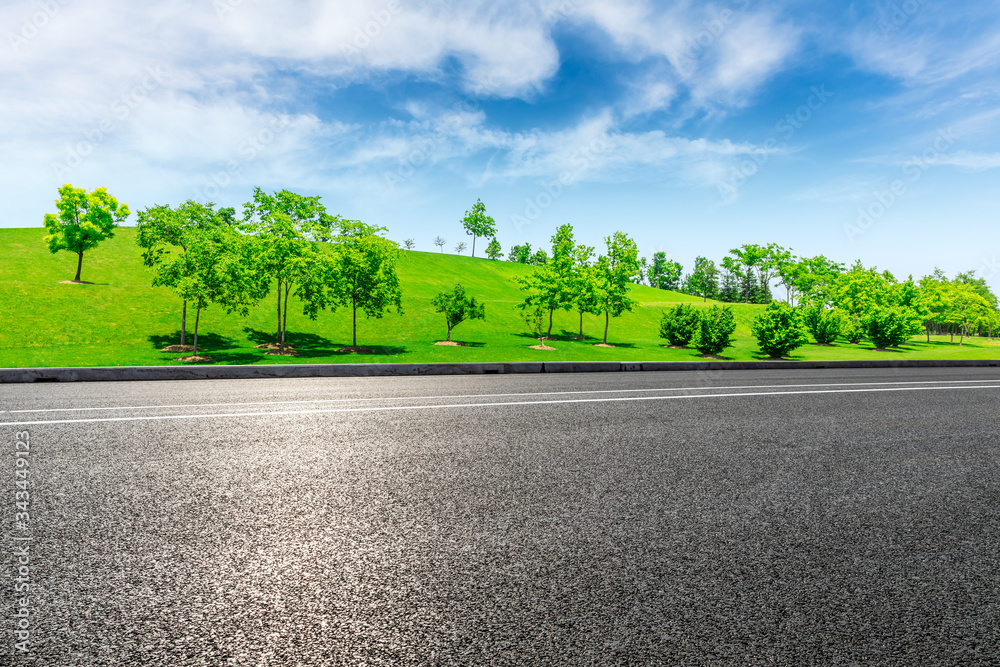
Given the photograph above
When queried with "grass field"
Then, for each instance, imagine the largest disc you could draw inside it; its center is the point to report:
(122, 321)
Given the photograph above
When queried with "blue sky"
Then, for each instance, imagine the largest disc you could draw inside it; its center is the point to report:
(864, 130)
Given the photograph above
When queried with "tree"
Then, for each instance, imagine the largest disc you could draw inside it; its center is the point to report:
(755, 266)
(966, 307)
(440, 242)
(583, 288)
(493, 250)
(84, 220)
(365, 273)
(477, 223)
(679, 324)
(520, 254)
(286, 227)
(663, 273)
(460, 247)
(704, 279)
(779, 330)
(408, 244)
(214, 269)
(457, 307)
(715, 326)
(539, 258)
(550, 287)
(615, 271)
(164, 235)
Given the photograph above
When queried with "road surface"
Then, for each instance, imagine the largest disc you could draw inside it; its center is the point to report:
(760, 517)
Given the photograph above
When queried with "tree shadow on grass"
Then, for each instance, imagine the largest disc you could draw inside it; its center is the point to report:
(466, 343)
(377, 350)
(207, 342)
(300, 341)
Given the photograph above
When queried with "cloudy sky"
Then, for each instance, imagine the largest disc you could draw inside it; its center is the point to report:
(865, 130)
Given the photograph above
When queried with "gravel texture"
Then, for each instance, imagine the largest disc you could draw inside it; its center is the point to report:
(833, 529)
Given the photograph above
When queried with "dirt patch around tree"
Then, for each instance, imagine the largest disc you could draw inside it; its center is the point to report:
(75, 282)
(195, 358)
(178, 348)
(272, 346)
(450, 343)
(603, 345)
(286, 353)
(677, 347)
(710, 356)
(540, 347)
(355, 350)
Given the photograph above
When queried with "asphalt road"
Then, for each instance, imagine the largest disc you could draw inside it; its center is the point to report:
(803, 517)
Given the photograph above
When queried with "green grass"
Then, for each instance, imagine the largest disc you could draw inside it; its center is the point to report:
(123, 321)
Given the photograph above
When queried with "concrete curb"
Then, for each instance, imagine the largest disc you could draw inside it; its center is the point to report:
(131, 373)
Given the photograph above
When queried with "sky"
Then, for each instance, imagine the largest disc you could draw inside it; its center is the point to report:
(854, 130)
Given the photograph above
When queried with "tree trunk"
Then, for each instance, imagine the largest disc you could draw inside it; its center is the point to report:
(928, 330)
(961, 334)
(79, 265)
(607, 316)
(184, 316)
(548, 334)
(354, 321)
(473, 245)
(581, 324)
(197, 316)
(449, 334)
(278, 337)
(284, 317)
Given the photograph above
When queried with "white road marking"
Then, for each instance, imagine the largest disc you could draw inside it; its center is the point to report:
(486, 405)
(534, 393)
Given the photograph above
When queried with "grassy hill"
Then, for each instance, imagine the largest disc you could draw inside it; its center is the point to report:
(122, 320)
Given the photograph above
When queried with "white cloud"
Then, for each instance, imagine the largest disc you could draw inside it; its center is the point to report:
(970, 160)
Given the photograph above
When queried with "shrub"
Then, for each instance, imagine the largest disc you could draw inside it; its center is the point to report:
(714, 328)
(853, 330)
(679, 324)
(779, 330)
(824, 325)
(888, 327)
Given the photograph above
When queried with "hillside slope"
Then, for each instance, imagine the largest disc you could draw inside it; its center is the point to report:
(122, 320)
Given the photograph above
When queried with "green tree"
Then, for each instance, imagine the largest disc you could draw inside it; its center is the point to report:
(409, 244)
(477, 223)
(460, 247)
(966, 307)
(584, 284)
(164, 234)
(457, 307)
(704, 279)
(539, 258)
(440, 242)
(285, 228)
(493, 250)
(520, 254)
(679, 324)
(365, 273)
(550, 286)
(84, 220)
(779, 330)
(615, 271)
(663, 273)
(715, 327)
(215, 269)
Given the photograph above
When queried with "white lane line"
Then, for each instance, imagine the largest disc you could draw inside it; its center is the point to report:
(533, 393)
(488, 405)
